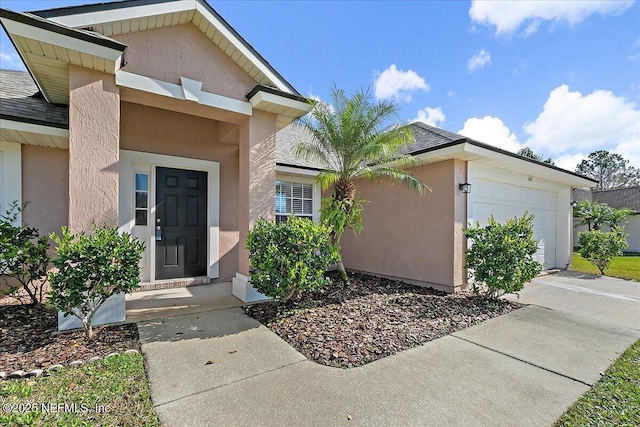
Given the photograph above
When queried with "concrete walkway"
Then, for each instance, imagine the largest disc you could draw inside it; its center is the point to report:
(223, 368)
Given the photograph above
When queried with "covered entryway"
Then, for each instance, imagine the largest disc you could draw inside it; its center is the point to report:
(181, 223)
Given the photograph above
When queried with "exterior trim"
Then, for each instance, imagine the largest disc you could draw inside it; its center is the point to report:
(136, 161)
(43, 24)
(10, 176)
(297, 170)
(85, 16)
(17, 123)
(278, 99)
(190, 90)
(464, 141)
(273, 91)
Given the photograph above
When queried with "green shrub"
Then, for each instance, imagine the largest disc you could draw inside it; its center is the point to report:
(501, 256)
(289, 257)
(91, 268)
(600, 247)
(23, 256)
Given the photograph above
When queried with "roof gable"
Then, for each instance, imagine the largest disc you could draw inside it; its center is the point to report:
(111, 19)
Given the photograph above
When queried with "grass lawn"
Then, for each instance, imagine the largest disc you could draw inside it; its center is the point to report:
(624, 267)
(614, 400)
(111, 392)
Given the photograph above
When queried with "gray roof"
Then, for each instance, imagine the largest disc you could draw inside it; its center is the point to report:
(20, 99)
(619, 198)
(580, 194)
(428, 137)
(286, 141)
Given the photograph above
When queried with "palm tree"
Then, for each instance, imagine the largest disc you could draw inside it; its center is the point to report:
(352, 138)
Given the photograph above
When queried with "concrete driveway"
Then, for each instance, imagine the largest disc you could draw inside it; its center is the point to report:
(524, 368)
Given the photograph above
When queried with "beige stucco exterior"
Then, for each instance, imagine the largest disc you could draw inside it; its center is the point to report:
(417, 238)
(45, 187)
(94, 136)
(183, 51)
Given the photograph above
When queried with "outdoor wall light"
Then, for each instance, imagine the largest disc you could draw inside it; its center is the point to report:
(465, 188)
(573, 203)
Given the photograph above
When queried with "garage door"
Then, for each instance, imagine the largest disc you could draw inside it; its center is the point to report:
(505, 201)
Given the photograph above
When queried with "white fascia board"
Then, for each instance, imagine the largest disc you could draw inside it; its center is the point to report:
(281, 85)
(290, 170)
(271, 98)
(71, 43)
(33, 128)
(190, 92)
(546, 172)
(122, 14)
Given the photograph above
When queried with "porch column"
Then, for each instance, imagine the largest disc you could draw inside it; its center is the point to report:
(94, 139)
(257, 155)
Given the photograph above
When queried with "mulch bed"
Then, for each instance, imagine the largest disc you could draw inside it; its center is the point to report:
(371, 319)
(27, 342)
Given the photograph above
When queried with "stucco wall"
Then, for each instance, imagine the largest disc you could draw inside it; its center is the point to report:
(45, 186)
(94, 129)
(183, 51)
(257, 176)
(410, 236)
(154, 130)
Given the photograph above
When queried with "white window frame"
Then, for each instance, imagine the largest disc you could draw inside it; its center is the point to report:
(297, 179)
(10, 176)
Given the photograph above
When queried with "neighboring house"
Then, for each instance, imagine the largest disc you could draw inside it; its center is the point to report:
(420, 238)
(151, 115)
(618, 198)
(157, 117)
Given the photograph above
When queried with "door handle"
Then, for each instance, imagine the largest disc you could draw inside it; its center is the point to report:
(158, 232)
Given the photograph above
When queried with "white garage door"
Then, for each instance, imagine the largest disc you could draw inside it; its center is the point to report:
(504, 201)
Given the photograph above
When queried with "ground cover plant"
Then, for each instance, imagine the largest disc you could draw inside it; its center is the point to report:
(623, 267)
(109, 392)
(28, 339)
(612, 401)
(347, 326)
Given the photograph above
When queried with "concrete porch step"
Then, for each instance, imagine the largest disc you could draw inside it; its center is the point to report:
(173, 283)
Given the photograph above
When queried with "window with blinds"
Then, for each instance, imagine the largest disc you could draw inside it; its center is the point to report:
(293, 198)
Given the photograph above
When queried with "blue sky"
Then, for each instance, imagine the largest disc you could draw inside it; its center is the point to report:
(560, 77)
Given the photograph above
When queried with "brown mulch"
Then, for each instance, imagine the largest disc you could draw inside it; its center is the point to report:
(27, 342)
(372, 319)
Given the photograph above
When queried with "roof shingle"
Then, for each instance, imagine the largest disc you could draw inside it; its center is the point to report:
(620, 198)
(20, 99)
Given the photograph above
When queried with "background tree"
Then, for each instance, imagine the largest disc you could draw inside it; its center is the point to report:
(595, 215)
(528, 152)
(352, 136)
(610, 169)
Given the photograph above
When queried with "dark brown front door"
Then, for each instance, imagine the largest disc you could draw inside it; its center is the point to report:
(181, 223)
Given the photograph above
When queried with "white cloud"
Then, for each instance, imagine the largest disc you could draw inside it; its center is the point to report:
(569, 161)
(630, 151)
(398, 84)
(430, 116)
(478, 61)
(451, 94)
(571, 122)
(508, 16)
(491, 130)
(10, 61)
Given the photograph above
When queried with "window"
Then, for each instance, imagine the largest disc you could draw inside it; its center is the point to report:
(293, 198)
(142, 198)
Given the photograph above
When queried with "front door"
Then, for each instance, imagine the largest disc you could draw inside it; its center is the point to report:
(181, 223)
